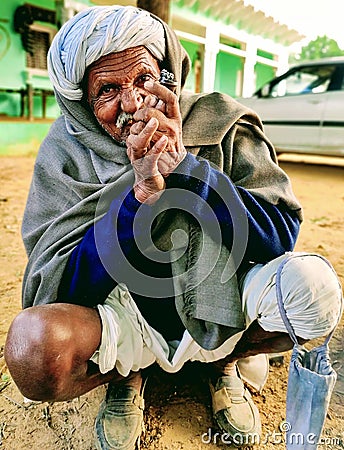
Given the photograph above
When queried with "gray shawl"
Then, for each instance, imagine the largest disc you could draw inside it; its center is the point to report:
(79, 168)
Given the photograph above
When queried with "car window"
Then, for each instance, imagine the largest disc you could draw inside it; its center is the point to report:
(312, 79)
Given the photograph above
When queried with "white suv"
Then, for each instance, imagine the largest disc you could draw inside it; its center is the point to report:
(303, 110)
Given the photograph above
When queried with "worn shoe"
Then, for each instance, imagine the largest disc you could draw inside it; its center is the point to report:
(234, 411)
(119, 423)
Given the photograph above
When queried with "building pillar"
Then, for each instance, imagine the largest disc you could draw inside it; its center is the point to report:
(249, 77)
(60, 13)
(211, 49)
(283, 61)
(29, 101)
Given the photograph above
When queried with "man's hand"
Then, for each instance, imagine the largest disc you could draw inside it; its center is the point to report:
(154, 145)
(149, 182)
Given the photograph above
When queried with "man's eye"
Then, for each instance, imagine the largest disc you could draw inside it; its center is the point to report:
(108, 89)
(143, 78)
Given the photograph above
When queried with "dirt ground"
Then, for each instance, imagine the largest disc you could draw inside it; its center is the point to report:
(178, 414)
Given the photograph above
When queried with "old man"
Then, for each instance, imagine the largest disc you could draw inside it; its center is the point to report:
(154, 227)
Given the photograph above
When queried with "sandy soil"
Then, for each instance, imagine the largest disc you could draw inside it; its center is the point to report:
(178, 414)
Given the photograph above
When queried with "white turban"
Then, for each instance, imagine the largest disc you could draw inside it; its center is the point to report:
(96, 32)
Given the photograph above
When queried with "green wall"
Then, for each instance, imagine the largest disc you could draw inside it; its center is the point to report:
(22, 138)
(19, 137)
(12, 56)
(13, 71)
(192, 48)
(263, 74)
(227, 72)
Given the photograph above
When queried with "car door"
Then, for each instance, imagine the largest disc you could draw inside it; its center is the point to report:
(332, 130)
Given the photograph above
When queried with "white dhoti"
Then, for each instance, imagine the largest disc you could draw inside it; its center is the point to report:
(312, 299)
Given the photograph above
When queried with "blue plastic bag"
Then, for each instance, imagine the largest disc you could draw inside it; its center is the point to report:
(311, 381)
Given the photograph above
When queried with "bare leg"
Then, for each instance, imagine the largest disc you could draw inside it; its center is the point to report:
(254, 341)
(48, 348)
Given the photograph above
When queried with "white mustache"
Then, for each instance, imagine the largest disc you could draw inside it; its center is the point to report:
(123, 119)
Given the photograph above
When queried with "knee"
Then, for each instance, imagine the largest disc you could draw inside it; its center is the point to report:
(36, 350)
(312, 296)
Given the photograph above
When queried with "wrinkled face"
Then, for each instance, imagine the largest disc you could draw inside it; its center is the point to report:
(115, 88)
